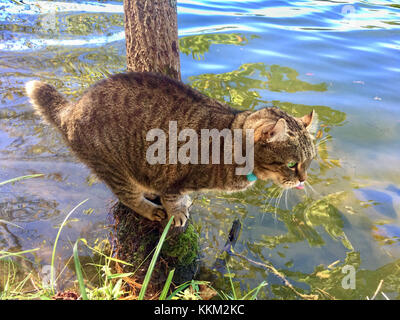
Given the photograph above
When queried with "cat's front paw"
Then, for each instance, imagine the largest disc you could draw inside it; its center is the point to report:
(177, 206)
(158, 214)
(181, 216)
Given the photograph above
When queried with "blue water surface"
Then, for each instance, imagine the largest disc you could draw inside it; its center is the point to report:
(339, 58)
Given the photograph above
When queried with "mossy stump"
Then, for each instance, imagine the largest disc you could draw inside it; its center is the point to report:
(135, 238)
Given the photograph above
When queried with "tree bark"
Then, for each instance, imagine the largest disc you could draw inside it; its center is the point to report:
(151, 30)
(152, 45)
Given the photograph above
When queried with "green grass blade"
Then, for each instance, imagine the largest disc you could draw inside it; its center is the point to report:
(154, 260)
(182, 287)
(252, 294)
(105, 256)
(120, 275)
(167, 285)
(22, 178)
(5, 254)
(78, 270)
(17, 2)
(185, 285)
(231, 282)
(10, 223)
(56, 241)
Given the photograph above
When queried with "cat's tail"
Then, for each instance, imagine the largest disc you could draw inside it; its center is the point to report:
(46, 100)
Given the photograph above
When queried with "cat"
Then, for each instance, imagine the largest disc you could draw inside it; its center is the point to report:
(106, 129)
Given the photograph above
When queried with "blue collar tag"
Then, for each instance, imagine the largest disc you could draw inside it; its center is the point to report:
(251, 177)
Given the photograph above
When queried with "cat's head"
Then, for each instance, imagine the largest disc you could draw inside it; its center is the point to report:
(283, 148)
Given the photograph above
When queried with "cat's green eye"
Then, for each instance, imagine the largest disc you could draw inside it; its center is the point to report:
(291, 165)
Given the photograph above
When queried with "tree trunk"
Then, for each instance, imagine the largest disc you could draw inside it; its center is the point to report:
(152, 45)
(151, 31)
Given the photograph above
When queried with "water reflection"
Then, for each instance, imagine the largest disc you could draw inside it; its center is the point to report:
(312, 216)
(327, 280)
(198, 45)
(271, 54)
(239, 87)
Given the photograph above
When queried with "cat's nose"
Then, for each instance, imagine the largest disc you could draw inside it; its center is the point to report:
(302, 176)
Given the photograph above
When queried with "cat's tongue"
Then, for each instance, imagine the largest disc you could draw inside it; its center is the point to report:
(300, 186)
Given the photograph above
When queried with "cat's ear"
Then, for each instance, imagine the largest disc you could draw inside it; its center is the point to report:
(308, 119)
(271, 132)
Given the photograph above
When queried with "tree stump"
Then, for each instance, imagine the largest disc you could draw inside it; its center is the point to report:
(152, 45)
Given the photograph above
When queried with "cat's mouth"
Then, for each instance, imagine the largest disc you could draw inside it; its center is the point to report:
(292, 185)
(300, 186)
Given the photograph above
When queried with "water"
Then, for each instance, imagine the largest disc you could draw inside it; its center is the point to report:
(340, 58)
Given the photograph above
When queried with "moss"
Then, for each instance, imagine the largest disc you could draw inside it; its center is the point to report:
(135, 238)
(185, 247)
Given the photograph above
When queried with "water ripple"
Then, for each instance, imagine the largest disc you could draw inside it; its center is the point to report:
(250, 16)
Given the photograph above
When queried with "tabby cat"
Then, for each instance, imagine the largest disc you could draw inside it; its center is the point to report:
(106, 129)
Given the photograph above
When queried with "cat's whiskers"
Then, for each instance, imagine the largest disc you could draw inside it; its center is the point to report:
(269, 199)
(305, 190)
(286, 196)
(273, 196)
(276, 199)
(276, 196)
(319, 143)
(277, 202)
(325, 139)
(309, 185)
(280, 191)
(322, 139)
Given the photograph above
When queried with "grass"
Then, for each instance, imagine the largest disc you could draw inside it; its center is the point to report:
(56, 241)
(154, 260)
(167, 285)
(79, 273)
(21, 178)
(111, 285)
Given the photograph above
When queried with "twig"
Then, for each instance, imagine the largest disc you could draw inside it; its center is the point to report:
(326, 293)
(377, 290)
(386, 297)
(279, 275)
(33, 283)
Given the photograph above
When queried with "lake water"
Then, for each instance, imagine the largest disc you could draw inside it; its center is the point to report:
(340, 58)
